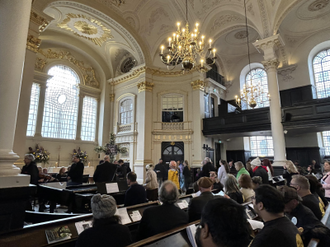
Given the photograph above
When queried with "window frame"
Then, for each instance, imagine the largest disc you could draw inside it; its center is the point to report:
(258, 154)
(326, 89)
(326, 148)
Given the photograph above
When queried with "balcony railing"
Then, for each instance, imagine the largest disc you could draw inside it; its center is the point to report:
(172, 126)
(215, 76)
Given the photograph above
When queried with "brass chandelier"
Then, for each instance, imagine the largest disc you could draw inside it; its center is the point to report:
(188, 48)
(251, 94)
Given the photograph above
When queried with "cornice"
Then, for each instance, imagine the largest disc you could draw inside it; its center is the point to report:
(198, 85)
(33, 43)
(145, 86)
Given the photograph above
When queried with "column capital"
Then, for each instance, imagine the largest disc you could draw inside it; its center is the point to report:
(112, 97)
(270, 64)
(81, 95)
(145, 86)
(269, 45)
(33, 43)
(40, 21)
(198, 85)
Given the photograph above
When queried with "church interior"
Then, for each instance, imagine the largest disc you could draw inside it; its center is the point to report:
(253, 81)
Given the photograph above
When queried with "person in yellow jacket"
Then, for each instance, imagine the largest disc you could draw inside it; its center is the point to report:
(173, 174)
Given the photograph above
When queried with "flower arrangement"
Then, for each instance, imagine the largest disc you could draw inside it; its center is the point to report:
(111, 148)
(82, 155)
(41, 155)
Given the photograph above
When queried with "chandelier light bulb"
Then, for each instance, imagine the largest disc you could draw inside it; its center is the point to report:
(210, 43)
(161, 49)
(214, 50)
(183, 30)
(202, 62)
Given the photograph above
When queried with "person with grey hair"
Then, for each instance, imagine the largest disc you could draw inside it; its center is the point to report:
(30, 168)
(105, 172)
(240, 169)
(164, 217)
(106, 230)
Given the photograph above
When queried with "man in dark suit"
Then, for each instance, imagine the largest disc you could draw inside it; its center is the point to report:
(105, 172)
(161, 172)
(30, 168)
(76, 172)
(136, 193)
(197, 204)
(165, 217)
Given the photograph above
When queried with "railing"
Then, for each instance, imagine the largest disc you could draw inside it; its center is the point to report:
(124, 128)
(172, 126)
(215, 76)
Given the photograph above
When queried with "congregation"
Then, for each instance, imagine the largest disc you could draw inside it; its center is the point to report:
(292, 209)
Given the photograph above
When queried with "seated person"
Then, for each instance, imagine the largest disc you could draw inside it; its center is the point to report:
(162, 218)
(223, 223)
(106, 230)
(105, 172)
(278, 230)
(136, 193)
(245, 182)
(44, 177)
(302, 185)
(197, 204)
(317, 190)
(217, 185)
(256, 182)
(232, 189)
(62, 175)
(240, 169)
(30, 168)
(303, 218)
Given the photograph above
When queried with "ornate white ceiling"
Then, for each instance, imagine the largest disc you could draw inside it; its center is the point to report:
(139, 27)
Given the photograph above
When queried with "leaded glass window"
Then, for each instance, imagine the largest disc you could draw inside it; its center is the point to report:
(261, 146)
(326, 141)
(88, 120)
(33, 111)
(126, 111)
(321, 66)
(172, 108)
(258, 77)
(61, 104)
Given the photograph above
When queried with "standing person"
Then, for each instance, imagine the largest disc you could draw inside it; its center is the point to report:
(30, 168)
(326, 180)
(223, 171)
(289, 170)
(136, 193)
(266, 162)
(187, 175)
(151, 183)
(232, 169)
(180, 167)
(259, 170)
(240, 169)
(278, 230)
(106, 230)
(76, 172)
(122, 170)
(249, 168)
(105, 172)
(161, 172)
(232, 189)
(173, 174)
(206, 168)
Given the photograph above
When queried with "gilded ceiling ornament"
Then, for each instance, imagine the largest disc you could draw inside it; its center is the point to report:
(33, 43)
(241, 35)
(88, 72)
(129, 76)
(86, 27)
(198, 85)
(112, 97)
(39, 20)
(145, 86)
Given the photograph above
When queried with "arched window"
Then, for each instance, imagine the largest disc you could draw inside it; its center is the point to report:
(61, 104)
(88, 119)
(321, 67)
(258, 77)
(126, 112)
(33, 112)
(261, 146)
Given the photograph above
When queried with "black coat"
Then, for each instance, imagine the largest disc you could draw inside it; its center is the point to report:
(105, 172)
(161, 171)
(135, 194)
(76, 172)
(261, 172)
(197, 204)
(31, 170)
(206, 169)
(109, 234)
(160, 219)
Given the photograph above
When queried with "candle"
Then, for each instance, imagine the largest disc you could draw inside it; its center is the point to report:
(161, 49)
(210, 43)
(214, 50)
(178, 24)
(203, 38)
(169, 42)
(174, 37)
(168, 58)
(89, 164)
(202, 62)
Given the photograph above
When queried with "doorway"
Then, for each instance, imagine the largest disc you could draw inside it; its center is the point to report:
(172, 151)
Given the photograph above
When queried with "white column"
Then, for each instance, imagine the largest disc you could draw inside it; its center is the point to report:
(81, 101)
(197, 118)
(268, 46)
(14, 19)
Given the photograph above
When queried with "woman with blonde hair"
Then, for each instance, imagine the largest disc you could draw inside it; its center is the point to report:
(232, 189)
(173, 174)
(289, 170)
(245, 182)
(151, 183)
